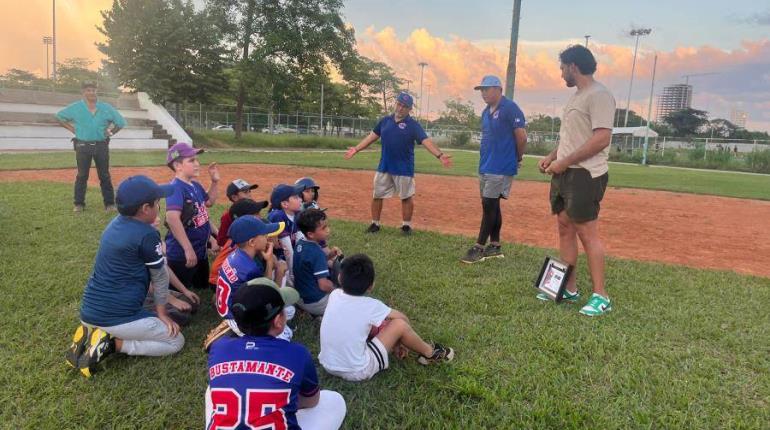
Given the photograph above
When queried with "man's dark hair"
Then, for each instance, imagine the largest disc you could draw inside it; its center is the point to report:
(581, 57)
(357, 274)
(132, 210)
(87, 84)
(309, 220)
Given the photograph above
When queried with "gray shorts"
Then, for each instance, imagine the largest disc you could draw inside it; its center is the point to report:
(495, 186)
(387, 185)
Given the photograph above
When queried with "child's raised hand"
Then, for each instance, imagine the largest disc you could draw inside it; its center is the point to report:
(214, 172)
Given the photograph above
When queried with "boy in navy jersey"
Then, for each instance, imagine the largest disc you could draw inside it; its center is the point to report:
(285, 204)
(258, 381)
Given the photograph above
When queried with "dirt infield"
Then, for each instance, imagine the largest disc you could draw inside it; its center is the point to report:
(685, 229)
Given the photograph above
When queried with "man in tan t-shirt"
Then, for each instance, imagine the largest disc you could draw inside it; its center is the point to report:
(579, 173)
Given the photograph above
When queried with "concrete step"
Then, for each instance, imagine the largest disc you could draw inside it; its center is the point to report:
(53, 110)
(11, 118)
(37, 143)
(53, 131)
(7, 95)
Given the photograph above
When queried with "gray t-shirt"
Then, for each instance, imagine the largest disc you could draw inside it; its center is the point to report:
(588, 109)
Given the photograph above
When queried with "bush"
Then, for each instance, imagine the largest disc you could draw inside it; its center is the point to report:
(759, 161)
(461, 139)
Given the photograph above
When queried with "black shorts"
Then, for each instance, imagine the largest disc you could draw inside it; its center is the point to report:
(578, 193)
(192, 277)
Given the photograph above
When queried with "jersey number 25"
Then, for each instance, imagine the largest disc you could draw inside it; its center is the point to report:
(264, 409)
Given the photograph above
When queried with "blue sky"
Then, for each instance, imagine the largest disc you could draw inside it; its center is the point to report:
(674, 22)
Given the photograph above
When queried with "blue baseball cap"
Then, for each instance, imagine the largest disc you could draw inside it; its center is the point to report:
(405, 99)
(282, 192)
(489, 81)
(139, 189)
(246, 227)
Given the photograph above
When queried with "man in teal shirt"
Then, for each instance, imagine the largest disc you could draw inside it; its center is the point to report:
(93, 123)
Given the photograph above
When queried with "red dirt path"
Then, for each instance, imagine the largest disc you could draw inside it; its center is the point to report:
(685, 229)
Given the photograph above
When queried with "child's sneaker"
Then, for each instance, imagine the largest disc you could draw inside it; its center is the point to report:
(596, 306)
(101, 344)
(79, 341)
(373, 228)
(567, 297)
(440, 353)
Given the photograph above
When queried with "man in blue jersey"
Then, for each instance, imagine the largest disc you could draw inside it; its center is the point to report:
(503, 141)
(399, 133)
(259, 381)
(129, 258)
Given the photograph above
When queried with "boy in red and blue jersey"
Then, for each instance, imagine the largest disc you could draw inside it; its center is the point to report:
(259, 381)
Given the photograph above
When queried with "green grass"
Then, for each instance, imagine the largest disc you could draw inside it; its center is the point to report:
(683, 348)
(728, 184)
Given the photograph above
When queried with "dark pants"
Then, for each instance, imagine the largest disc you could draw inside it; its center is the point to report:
(100, 153)
(192, 277)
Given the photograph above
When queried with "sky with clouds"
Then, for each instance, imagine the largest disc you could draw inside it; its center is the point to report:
(461, 41)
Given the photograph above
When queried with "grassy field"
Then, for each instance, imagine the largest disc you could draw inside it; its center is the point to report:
(729, 184)
(682, 348)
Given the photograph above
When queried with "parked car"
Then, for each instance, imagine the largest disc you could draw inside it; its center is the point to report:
(223, 128)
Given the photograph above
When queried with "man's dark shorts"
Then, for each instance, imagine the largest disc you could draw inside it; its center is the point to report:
(578, 193)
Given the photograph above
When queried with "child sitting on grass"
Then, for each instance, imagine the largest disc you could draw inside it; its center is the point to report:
(358, 332)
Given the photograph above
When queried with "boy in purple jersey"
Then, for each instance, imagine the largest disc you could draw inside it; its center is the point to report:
(188, 217)
(250, 236)
(286, 203)
(258, 381)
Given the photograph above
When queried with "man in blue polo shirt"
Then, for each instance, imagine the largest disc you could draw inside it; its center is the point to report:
(129, 258)
(503, 141)
(93, 123)
(395, 174)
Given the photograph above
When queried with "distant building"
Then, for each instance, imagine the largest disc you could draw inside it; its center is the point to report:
(738, 118)
(672, 99)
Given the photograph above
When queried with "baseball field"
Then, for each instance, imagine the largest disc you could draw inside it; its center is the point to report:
(686, 345)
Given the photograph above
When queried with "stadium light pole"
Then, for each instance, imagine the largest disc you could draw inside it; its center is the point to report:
(53, 76)
(587, 36)
(422, 65)
(637, 32)
(47, 41)
(427, 106)
(510, 77)
(649, 111)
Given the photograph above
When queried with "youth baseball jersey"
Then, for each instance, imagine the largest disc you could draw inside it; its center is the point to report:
(237, 269)
(118, 285)
(198, 229)
(499, 154)
(588, 109)
(255, 382)
(345, 327)
(310, 265)
(398, 140)
(291, 230)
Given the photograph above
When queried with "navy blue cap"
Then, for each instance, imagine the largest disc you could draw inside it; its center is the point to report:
(489, 81)
(282, 192)
(139, 189)
(405, 99)
(246, 227)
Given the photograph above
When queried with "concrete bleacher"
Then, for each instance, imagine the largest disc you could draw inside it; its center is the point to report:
(28, 122)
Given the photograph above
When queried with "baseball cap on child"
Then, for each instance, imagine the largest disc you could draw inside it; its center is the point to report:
(282, 192)
(139, 189)
(239, 185)
(246, 227)
(489, 81)
(260, 300)
(247, 207)
(405, 99)
(181, 150)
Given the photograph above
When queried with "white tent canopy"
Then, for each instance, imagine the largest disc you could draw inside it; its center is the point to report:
(635, 131)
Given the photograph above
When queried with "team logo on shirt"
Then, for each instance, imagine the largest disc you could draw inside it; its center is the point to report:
(201, 216)
(402, 125)
(496, 114)
(517, 120)
(159, 249)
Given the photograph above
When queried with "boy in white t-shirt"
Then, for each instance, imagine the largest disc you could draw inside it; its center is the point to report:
(358, 331)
